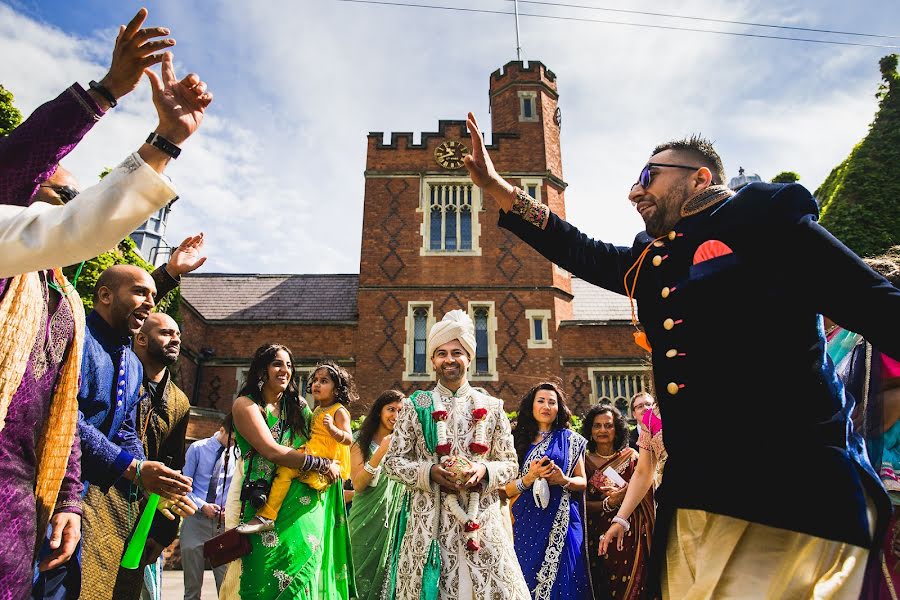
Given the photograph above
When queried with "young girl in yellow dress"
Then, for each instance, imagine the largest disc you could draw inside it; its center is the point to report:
(332, 389)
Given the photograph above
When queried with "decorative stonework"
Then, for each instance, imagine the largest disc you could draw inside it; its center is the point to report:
(391, 264)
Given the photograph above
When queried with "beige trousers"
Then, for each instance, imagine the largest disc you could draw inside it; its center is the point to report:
(710, 556)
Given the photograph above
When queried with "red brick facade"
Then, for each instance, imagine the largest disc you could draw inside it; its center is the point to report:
(396, 268)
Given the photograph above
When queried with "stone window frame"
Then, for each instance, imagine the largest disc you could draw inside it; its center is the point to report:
(477, 207)
(491, 374)
(535, 113)
(303, 372)
(544, 315)
(409, 344)
(644, 372)
(532, 182)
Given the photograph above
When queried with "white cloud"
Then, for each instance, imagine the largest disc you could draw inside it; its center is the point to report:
(275, 177)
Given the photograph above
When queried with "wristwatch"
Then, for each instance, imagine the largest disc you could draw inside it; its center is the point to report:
(158, 141)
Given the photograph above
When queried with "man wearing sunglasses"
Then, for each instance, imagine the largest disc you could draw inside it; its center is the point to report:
(40, 237)
(731, 288)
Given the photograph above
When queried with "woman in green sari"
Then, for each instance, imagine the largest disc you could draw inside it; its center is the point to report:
(307, 555)
(376, 503)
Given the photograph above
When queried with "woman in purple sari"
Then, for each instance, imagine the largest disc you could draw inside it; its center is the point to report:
(548, 497)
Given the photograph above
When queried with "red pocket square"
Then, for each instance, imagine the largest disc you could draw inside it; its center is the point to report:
(710, 249)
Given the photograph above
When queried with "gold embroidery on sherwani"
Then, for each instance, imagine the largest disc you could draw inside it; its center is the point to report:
(493, 573)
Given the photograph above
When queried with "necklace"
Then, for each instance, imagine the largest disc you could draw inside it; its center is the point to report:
(544, 434)
(603, 456)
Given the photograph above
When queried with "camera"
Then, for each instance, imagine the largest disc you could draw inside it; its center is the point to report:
(255, 492)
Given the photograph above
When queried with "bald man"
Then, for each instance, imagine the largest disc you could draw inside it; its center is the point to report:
(162, 418)
(108, 396)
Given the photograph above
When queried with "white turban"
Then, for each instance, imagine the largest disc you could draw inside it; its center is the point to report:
(456, 325)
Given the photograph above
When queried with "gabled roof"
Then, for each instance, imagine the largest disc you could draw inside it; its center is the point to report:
(593, 303)
(254, 297)
(332, 297)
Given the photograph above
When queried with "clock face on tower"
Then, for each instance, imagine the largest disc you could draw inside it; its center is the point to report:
(450, 154)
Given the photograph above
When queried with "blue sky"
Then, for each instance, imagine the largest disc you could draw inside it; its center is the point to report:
(275, 178)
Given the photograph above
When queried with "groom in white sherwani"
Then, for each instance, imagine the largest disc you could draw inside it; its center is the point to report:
(453, 448)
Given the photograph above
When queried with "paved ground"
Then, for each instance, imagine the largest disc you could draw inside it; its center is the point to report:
(173, 585)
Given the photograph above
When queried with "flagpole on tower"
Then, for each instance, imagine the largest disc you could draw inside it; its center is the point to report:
(518, 46)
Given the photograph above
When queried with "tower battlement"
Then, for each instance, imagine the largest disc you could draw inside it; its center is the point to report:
(517, 71)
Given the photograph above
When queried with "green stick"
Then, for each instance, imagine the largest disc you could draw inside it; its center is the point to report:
(135, 549)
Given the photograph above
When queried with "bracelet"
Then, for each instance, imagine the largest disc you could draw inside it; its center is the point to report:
(520, 485)
(623, 522)
(313, 463)
(370, 469)
(529, 209)
(606, 507)
(158, 141)
(137, 474)
(324, 465)
(101, 89)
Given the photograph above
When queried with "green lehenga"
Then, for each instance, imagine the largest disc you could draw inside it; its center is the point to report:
(307, 555)
(373, 518)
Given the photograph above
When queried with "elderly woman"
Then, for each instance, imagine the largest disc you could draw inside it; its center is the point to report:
(610, 464)
(377, 500)
(547, 508)
(307, 554)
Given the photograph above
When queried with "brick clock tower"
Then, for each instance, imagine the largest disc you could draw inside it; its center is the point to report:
(431, 244)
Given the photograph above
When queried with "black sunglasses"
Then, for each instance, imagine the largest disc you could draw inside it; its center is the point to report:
(645, 177)
(65, 192)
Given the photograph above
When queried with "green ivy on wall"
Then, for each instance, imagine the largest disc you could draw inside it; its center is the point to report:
(858, 200)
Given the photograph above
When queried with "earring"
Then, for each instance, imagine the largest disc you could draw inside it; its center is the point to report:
(259, 384)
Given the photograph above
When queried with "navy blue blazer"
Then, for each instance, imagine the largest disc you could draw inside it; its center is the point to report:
(757, 423)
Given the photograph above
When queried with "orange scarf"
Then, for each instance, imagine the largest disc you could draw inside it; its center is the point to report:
(20, 322)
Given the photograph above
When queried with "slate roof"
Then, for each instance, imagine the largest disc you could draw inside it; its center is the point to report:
(254, 297)
(332, 297)
(596, 304)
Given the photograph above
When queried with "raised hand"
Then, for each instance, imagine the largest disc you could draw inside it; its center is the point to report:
(481, 168)
(179, 104)
(478, 164)
(187, 256)
(134, 51)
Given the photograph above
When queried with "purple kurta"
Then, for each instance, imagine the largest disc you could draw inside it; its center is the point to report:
(28, 413)
(32, 151)
(28, 156)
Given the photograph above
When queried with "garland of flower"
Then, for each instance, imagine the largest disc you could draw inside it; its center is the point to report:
(478, 446)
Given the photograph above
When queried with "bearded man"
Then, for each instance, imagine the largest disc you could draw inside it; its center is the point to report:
(453, 448)
(162, 419)
(732, 287)
(111, 378)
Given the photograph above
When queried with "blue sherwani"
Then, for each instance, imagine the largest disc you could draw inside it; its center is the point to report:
(756, 422)
(107, 409)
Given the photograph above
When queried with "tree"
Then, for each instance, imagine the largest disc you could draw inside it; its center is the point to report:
(125, 253)
(858, 199)
(10, 117)
(786, 177)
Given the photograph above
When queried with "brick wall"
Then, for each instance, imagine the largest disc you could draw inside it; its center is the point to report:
(394, 271)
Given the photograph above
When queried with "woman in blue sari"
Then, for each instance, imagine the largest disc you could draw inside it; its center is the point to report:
(548, 497)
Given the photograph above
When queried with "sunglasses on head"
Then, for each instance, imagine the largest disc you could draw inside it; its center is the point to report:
(65, 192)
(645, 178)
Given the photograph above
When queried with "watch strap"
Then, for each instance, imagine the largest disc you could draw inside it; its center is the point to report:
(158, 141)
(103, 91)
